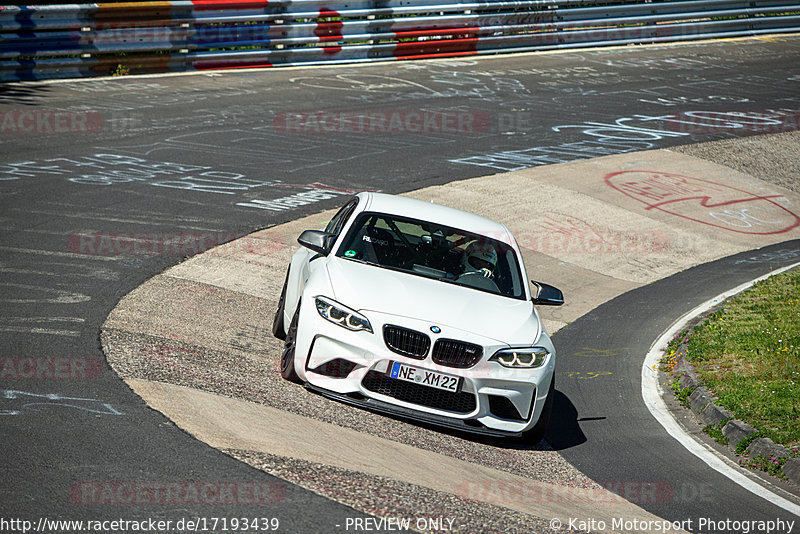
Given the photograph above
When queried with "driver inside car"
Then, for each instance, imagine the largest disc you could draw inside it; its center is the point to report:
(480, 259)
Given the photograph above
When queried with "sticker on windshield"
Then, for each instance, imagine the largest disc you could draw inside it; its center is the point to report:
(350, 253)
(375, 240)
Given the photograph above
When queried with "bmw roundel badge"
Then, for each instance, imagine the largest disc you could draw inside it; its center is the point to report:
(436, 329)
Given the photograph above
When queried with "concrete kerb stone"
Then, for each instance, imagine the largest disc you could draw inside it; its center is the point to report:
(792, 470)
(687, 381)
(714, 415)
(699, 399)
(766, 448)
(736, 431)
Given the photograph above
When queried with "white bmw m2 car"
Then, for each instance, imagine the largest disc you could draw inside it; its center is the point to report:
(420, 311)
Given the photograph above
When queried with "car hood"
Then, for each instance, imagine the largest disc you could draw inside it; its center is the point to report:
(369, 288)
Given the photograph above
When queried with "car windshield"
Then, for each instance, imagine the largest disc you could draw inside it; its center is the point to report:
(434, 251)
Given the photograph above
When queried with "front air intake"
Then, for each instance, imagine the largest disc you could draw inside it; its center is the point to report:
(453, 353)
(406, 342)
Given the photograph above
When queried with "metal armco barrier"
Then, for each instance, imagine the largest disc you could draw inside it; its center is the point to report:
(79, 40)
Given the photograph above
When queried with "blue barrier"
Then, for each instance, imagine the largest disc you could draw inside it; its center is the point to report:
(79, 40)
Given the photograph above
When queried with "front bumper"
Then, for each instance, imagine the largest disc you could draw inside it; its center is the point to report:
(413, 414)
(351, 367)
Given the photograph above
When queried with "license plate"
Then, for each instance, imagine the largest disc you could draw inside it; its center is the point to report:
(433, 379)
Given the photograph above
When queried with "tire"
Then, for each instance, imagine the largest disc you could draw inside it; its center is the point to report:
(287, 355)
(278, 328)
(536, 434)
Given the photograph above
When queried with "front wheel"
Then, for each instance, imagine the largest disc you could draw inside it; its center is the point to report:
(536, 434)
(287, 355)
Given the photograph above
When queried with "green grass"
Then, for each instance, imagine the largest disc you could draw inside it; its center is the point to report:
(748, 355)
(770, 465)
(715, 431)
(682, 394)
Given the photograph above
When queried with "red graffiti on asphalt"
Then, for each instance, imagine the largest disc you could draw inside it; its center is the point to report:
(729, 208)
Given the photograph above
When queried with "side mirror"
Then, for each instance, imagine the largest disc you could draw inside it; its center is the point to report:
(547, 295)
(316, 240)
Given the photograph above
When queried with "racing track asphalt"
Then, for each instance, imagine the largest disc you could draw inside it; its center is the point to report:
(164, 131)
(608, 411)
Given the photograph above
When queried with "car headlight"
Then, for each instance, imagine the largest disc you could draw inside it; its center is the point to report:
(342, 315)
(527, 358)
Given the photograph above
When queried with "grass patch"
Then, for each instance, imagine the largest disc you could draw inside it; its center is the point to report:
(715, 431)
(682, 393)
(748, 355)
(741, 447)
(770, 465)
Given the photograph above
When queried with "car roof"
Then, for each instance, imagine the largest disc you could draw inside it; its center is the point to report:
(435, 213)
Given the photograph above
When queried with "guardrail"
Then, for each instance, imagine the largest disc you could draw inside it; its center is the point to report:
(79, 40)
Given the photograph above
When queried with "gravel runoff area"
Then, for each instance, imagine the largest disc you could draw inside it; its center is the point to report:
(386, 497)
(773, 158)
(252, 374)
(246, 368)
